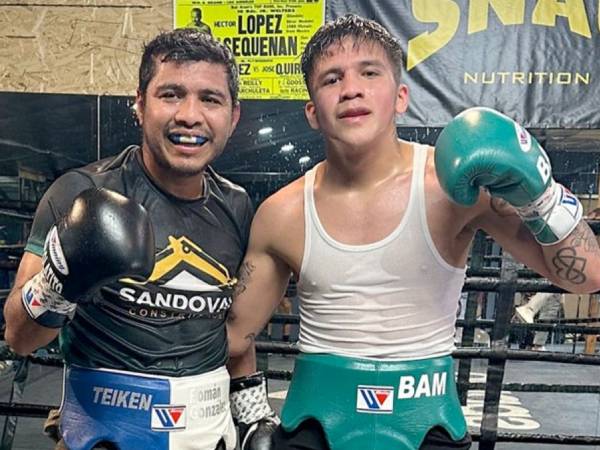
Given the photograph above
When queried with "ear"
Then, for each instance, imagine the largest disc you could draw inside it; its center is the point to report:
(401, 99)
(311, 115)
(139, 107)
(235, 116)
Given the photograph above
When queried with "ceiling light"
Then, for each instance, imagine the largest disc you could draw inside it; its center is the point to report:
(286, 148)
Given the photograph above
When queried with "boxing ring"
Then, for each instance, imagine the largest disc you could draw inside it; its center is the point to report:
(492, 362)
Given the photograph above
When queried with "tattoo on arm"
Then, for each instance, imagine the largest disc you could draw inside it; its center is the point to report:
(569, 264)
(231, 316)
(583, 236)
(250, 338)
(243, 277)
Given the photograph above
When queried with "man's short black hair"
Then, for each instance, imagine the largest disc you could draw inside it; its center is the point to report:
(184, 45)
(360, 30)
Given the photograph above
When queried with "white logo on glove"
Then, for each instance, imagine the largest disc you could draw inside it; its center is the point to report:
(543, 168)
(56, 253)
(523, 137)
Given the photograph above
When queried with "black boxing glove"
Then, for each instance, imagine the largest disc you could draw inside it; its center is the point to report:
(252, 413)
(103, 237)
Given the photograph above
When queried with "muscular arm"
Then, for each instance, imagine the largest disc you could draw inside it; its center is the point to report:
(262, 280)
(22, 334)
(243, 364)
(575, 260)
(571, 264)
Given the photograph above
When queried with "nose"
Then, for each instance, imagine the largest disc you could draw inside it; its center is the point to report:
(189, 113)
(351, 87)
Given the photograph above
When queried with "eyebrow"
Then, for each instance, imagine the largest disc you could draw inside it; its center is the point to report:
(362, 64)
(215, 92)
(372, 62)
(331, 70)
(170, 86)
(179, 88)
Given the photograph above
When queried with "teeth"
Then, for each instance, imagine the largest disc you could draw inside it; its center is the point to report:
(182, 139)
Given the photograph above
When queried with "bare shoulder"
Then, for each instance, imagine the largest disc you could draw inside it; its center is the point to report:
(278, 225)
(433, 188)
(431, 178)
(464, 220)
(285, 204)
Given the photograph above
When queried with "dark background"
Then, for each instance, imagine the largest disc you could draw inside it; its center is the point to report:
(43, 135)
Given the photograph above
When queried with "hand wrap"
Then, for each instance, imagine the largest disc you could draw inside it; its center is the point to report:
(251, 411)
(553, 216)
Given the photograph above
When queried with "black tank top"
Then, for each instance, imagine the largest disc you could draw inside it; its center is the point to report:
(175, 324)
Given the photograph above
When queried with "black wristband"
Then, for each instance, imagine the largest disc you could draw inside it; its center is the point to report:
(248, 381)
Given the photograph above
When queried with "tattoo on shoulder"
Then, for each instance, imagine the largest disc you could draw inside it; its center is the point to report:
(243, 277)
(571, 260)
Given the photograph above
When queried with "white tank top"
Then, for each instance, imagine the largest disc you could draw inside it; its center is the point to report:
(393, 299)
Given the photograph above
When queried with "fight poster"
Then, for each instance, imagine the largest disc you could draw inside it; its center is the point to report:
(266, 37)
(536, 60)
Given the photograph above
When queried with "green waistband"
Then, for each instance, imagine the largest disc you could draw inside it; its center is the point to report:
(374, 405)
(373, 365)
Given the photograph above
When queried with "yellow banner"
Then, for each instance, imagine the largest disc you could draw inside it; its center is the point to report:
(266, 36)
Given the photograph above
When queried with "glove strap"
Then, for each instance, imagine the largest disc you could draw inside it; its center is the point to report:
(248, 399)
(553, 216)
(44, 305)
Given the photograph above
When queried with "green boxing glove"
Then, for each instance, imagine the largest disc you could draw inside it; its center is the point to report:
(481, 148)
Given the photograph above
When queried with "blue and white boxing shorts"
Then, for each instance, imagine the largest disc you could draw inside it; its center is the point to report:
(137, 411)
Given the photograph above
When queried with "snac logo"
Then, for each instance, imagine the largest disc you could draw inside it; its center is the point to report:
(446, 16)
